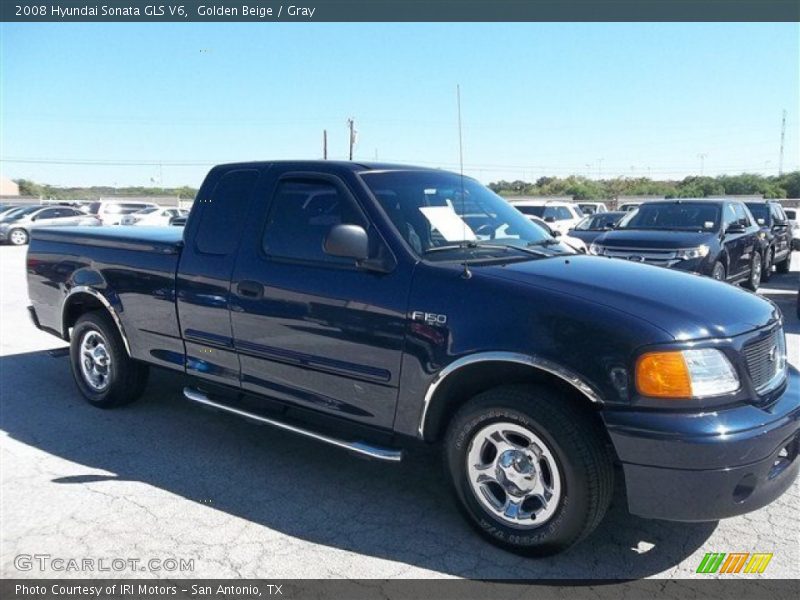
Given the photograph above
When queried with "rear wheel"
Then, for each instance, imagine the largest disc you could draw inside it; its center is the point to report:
(18, 237)
(102, 369)
(785, 265)
(531, 471)
(755, 273)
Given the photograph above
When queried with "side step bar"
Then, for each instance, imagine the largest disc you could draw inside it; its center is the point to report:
(377, 452)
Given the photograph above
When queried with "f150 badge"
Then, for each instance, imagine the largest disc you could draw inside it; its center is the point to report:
(428, 318)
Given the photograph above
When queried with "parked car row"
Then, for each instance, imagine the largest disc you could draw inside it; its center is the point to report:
(727, 240)
(16, 221)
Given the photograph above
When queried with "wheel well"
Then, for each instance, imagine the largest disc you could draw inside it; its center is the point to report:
(471, 380)
(78, 305)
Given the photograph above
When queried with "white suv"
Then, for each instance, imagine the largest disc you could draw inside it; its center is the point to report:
(560, 216)
(111, 213)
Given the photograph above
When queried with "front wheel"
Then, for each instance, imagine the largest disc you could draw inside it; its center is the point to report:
(769, 260)
(718, 272)
(754, 279)
(785, 265)
(105, 374)
(531, 471)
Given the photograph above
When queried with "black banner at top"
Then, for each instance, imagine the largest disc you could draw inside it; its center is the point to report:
(397, 10)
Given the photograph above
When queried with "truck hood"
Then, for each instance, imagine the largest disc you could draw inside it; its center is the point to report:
(642, 238)
(686, 306)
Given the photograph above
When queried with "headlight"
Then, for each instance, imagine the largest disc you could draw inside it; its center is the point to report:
(685, 374)
(596, 249)
(690, 253)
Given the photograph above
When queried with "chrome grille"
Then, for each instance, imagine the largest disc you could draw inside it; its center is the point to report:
(652, 256)
(765, 359)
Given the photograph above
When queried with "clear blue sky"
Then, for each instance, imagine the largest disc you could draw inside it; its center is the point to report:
(537, 99)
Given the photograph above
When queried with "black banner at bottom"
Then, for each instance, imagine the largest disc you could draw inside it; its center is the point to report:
(399, 589)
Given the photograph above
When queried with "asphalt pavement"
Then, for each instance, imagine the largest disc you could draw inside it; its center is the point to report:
(164, 479)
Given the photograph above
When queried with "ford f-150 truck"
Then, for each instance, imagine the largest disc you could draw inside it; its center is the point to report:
(374, 307)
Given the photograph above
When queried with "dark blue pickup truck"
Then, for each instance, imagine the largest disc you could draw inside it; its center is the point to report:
(374, 307)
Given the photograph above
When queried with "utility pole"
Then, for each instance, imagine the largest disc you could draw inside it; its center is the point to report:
(351, 126)
(600, 168)
(702, 157)
(324, 144)
(783, 139)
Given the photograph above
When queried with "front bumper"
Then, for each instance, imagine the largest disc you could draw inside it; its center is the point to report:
(708, 466)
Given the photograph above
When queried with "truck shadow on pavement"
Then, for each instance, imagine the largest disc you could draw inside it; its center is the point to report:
(289, 485)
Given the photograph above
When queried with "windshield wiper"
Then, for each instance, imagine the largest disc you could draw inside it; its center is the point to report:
(473, 245)
(470, 244)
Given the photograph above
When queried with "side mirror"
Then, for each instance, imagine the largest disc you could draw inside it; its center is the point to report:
(556, 233)
(549, 219)
(736, 228)
(348, 241)
(760, 221)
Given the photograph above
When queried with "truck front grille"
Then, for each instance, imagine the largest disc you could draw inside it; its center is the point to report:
(652, 256)
(766, 360)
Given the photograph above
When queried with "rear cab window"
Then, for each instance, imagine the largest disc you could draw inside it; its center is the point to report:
(222, 215)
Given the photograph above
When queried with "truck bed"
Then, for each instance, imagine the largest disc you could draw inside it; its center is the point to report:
(133, 268)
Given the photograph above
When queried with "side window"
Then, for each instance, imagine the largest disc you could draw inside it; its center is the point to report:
(50, 213)
(777, 212)
(741, 215)
(550, 212)
(222, 215)
(563, 213)
(728, 216)
(303, 211)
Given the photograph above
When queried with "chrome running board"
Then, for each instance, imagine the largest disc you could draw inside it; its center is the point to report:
(362, 448)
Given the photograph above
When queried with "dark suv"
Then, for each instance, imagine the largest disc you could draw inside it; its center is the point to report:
(776, 236)
(718, 238)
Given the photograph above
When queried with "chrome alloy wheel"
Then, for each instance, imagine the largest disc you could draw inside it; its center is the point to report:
(95, 361)
(18, 237)
(514, 475)
(755, 275)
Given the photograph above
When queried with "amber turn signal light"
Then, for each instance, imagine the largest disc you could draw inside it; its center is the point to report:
(663, 375)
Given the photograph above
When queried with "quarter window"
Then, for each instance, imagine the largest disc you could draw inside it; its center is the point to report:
(222, 216)
(302, 214)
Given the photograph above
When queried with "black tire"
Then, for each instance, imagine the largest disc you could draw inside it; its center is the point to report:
(18, 237)
(785, 265)
(766, 272)
(125, 378)
(718, 272)
(754, 278)
(574, 441)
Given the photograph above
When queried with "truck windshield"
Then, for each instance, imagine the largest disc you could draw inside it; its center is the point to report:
(683, 216)
(444, 216)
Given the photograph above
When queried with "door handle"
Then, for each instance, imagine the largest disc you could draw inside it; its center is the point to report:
(250, 289)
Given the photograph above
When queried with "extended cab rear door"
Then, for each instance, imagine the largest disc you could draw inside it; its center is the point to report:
(212, 238)
(312, 329)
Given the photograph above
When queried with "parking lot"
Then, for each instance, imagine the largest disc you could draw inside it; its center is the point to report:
(162, 479)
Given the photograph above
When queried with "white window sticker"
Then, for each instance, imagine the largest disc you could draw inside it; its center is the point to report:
(444, 220)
